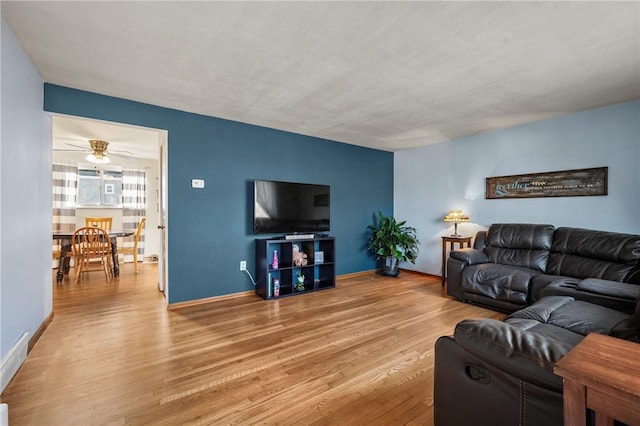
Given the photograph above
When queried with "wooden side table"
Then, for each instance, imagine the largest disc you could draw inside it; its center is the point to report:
(601, 373)
(452, 241)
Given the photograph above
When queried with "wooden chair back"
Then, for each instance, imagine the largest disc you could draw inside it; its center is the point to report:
(138, 232)
(90, 243)
(134, 250)
(99, 222)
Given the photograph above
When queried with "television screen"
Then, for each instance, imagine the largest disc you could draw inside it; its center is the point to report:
(287, 207)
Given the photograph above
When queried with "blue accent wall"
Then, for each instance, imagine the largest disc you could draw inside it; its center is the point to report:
(210, 229)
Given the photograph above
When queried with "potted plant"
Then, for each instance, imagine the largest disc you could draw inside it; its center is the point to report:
(392, 242)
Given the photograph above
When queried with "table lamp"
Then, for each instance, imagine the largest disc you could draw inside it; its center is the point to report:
(456, 216)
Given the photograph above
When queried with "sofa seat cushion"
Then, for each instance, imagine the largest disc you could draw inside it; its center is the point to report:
(548, 331)
(498, 282)
(574, 315)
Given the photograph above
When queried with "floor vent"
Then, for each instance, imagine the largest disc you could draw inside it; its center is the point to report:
(12, 362)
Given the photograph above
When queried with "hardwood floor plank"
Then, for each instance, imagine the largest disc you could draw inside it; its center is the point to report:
(361, 353)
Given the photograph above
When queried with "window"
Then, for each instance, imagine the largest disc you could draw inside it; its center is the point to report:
(99, 186)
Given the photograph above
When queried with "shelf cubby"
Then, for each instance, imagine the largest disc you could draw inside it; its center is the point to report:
(319, 272)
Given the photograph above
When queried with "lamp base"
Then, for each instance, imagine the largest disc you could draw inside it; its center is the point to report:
(455, 230)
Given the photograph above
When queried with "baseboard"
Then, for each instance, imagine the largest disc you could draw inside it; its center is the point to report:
(375, 271)
(4, 415)
(355, 274)
(12, 362)
(18, 353)
(421, 273)
(36, 336)
(179, 305)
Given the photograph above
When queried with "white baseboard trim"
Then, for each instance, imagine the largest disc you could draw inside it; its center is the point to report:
(13, 360)
(4, 415)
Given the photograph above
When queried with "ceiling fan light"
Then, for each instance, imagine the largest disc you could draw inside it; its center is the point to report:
(98, 159)
(98, 156)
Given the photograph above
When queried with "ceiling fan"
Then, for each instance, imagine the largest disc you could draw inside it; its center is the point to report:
(98, 153)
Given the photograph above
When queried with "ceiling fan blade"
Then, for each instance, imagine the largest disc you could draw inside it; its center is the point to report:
(123, 153)
(84, 148)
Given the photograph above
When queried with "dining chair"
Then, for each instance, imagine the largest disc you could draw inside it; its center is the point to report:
(102, 223)
(91, 243)
(99, 222)
(134, 250)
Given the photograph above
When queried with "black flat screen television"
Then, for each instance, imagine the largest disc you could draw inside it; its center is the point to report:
(289, 207)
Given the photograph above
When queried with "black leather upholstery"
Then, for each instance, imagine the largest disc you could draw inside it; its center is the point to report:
(470, 256)
(500, 282)
(584, 253)
(519, 244)
(612, 294)
(479, 242)
(514, 265)
(501, 373)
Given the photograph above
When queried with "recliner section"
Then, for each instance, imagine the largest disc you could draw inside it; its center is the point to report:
(513, 265)
(500, 373)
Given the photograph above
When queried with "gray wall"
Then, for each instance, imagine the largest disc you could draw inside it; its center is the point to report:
(431, 180)
(25, 211)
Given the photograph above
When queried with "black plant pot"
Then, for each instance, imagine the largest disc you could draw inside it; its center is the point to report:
(390, 266)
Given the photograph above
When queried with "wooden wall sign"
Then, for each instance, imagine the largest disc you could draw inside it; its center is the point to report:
(566, 183)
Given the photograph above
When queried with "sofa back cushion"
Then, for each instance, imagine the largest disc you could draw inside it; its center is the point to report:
(584, 253)
(519, 244)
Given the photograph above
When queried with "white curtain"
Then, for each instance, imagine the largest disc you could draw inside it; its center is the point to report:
(63, 200)
(65, 182)
(134, 203)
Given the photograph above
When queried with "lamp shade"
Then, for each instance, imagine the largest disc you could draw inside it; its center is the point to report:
(456, 216)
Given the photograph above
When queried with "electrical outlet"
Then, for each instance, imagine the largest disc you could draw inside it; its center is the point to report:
(243, 265)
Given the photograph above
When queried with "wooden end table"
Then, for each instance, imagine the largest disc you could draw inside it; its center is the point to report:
(452, 241)
(601, 373)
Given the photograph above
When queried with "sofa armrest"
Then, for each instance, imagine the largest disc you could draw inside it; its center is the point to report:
(622, 297)
(454, 277)
(458, 260)
(522, 354)
(470, 256)
(610, 288)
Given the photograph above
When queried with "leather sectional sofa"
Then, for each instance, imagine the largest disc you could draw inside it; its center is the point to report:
(513, 265)
(559, 285)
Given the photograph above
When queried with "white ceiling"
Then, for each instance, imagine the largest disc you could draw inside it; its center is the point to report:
(387, 75)
(72, 134)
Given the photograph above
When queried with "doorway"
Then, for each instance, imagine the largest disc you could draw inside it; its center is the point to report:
(129, 148)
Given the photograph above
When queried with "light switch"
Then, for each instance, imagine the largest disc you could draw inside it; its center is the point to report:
(197, 183)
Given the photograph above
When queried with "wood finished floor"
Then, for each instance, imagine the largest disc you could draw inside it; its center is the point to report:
(359, 354)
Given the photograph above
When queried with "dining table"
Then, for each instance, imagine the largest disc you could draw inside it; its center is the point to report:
(65, 246)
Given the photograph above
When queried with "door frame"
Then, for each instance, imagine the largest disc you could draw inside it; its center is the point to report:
(163, 195)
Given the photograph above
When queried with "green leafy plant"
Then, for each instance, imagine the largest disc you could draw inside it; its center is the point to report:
(390, 238)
